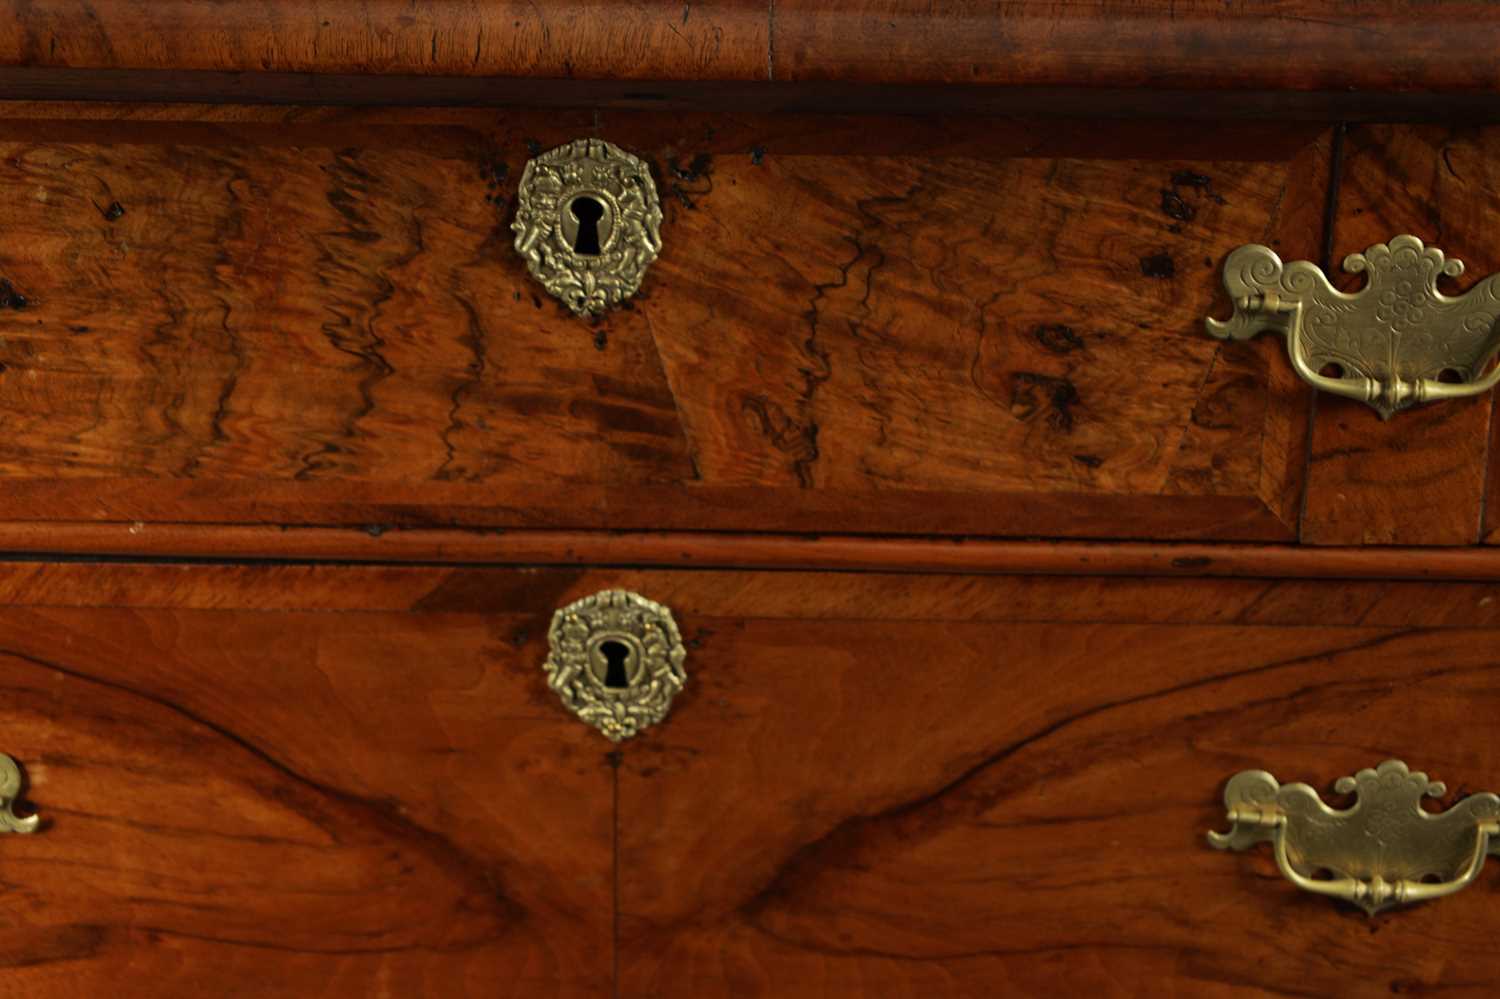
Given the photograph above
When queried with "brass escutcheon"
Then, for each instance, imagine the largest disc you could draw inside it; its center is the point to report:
(588, 223)
(616, 661)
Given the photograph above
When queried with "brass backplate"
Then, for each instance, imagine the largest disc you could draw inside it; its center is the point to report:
(616, 661)
(1396, 343)
(588, 223)
(1383, 850)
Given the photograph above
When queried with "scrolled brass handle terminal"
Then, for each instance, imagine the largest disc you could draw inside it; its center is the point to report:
(1381, 852)
(1398, 342)
(10, 789)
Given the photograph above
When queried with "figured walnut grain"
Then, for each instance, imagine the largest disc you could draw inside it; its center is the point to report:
(716, 39)
(1419, 478)
(243, 796)
(1092, 45)
(966, 787)
(1209, 44)
(865, 784)
(855, 324)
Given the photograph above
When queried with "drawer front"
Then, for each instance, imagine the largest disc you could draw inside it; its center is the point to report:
(893, 325)
(911, 786)
(341, 780)
(1418, 479)
(292, 782)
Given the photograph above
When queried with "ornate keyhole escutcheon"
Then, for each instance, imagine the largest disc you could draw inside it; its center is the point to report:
(616, 661)
(588, 223)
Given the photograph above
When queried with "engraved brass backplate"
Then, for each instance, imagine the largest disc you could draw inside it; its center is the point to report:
(10, 789)
(616, 661)
(588, 223)
(1396, 343)
(1384, 850)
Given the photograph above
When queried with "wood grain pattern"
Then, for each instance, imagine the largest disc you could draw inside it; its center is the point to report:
(716, 39)
(247, 796)
(747, 551)
(1285, 44)
(971, 786)
(325, 324)
(519, 601)
(1329, 45)
(30, 84)
(306, 780)
(1417, 479)
(533, 593)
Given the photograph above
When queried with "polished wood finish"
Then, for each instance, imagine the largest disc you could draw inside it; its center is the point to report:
(697, 549)
(246, 795)
(28, 83)
(1417, 479)
(324, 323)
(514, 605)
(917, 753)
(329, 779)
(1102, 45)
(1449, 181)
(1250, 44)
(651, 40)
(958, 786)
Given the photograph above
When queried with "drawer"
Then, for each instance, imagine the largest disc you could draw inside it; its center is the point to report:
(284, 780)
(864, 324)
(292, 782)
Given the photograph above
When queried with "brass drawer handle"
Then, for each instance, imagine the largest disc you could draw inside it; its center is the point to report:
(10, 789)
(1382, 851)
(1396, 343)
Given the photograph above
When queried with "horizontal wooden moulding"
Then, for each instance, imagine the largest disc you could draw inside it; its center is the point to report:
(744, 551)
(1404, 46)
(167, 88)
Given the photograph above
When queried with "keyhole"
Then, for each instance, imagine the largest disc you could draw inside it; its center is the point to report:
(588, 212)
(615, 653)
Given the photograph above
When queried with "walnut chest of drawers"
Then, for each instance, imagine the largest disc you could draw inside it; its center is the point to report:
(987, 568)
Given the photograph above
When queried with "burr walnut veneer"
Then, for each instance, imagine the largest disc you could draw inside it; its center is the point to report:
(991, 566)
(856, 324)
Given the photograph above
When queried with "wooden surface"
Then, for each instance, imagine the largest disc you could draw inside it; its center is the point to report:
(352, 780)
(1303, 45)
(325, 323)
(1284, 44)
(832, 96)
(1419, 478)
(698, 549)
(653, 40)
(964, 786)
(245, 795)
